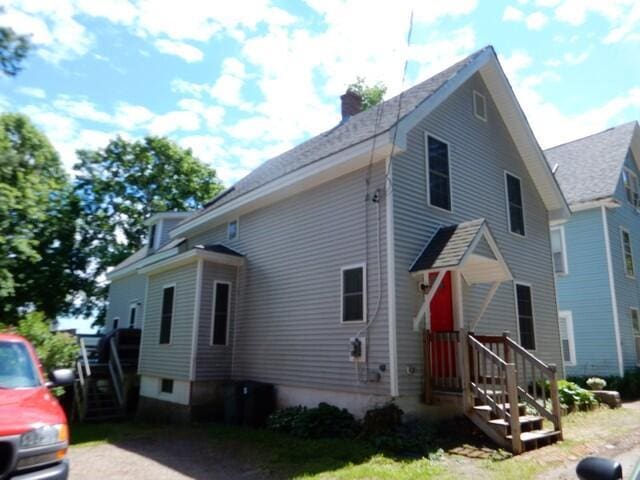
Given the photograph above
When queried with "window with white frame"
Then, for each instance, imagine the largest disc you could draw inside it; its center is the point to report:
(133, 311)
(627, 253)
(515, 205)
(630, 180)
(479, 106)
(524, 310)
(635, 325)
(221, 313)
(558, 250)
(152, 237)
(353, 294)
(232, 230)
(115, 322)
(438, 173)
(166, 318)
(565, 320)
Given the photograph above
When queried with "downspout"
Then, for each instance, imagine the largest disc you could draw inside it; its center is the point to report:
(612, 290)
(391, 283)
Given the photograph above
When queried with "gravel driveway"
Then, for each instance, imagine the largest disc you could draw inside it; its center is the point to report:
(161, 458)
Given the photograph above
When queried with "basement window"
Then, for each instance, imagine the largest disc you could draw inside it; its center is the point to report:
(479, 106)
(166, 385)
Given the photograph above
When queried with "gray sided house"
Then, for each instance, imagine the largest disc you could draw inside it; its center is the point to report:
(339, 270)
(595, 251)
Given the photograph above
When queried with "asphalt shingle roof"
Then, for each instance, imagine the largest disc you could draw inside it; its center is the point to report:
(448, 246)
(356, 129)
(220, 248)
(589, 168)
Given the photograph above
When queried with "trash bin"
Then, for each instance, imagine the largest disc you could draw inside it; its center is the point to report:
(232, 394)
(258, 402)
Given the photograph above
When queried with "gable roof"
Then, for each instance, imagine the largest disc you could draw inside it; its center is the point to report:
(382, 122)
(589, 168)
(448, 246)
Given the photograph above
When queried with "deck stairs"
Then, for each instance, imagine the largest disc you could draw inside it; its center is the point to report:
(507, 392)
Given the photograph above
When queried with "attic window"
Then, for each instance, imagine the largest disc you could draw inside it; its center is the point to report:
(232, 230)
(152, 236)
(630, 186)
(479, 106)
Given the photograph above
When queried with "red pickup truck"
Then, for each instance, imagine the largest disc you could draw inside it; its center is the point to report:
(34, 435)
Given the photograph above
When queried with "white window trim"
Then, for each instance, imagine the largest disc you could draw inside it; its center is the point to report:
(426, 164)
(634, 334)
(173, 313)
(113, 320)
(477, 94)
(364, 293)
(563, 243)
(213, 313)
(533, 313)
(506, 200)
(568, 320)
(624, 255)
(133, 306)
(632, 175)
(237, 222)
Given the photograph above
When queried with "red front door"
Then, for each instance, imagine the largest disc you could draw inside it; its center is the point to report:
(441, 305)
(443, 356)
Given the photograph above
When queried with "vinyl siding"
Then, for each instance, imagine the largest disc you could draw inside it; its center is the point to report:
(174, 360)
(287, 327)
(168, 224)
(479, 154)
(627, 289)
(585, 292)
(213, 362)
(122, 293)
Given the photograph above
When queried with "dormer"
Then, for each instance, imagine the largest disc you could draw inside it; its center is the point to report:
(159, 225)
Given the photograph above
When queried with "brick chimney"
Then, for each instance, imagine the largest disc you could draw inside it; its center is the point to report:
(351, 104)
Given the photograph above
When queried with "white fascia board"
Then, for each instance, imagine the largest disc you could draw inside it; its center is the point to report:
(406, 124)
(604, 202)
(165, 215)
(192, 256)
(524, 139)
(339, 164)
(134, 267)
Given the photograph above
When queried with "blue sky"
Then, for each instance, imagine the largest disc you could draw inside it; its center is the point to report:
(242, 81)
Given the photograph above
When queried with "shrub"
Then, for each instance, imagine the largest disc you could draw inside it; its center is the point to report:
(628, 386)
(54, 349)
(573, 396)
(382, 420)
(596, 383)
(323, 421)
(416, 437)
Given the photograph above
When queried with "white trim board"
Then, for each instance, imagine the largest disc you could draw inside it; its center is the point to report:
(196, 320)
(612, 291)
(134, 267)
(391, 282)
(191, 256)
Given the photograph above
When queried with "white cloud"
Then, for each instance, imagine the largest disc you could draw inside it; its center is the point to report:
(179, 85)
(32, 92)
(187, 52)
(170, 122)
(81, 108)
(512, 14)
(116, 11)
(576, 58)
(212, 115)
(227, 88)
(132, 117)
(536, 21)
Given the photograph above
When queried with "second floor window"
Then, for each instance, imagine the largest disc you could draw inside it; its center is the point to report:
(558, 251)
(232, 230)
(353, 296)
(627, 252)
(152, 236)
(438, 177)
(515, 206)
(630, 181)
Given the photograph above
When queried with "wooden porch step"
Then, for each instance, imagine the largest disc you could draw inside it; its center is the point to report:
(528, 423)
(537, 438)
(486, 412)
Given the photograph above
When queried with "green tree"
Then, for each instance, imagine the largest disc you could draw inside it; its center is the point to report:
(123, 184)
(371, 94)
(40, 256)
(13, 50)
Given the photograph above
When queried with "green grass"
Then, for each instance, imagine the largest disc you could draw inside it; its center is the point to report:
(87, 434)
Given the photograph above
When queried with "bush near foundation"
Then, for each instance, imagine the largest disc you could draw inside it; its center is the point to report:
(628, 386)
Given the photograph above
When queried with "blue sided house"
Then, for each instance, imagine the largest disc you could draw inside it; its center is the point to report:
(595, 251)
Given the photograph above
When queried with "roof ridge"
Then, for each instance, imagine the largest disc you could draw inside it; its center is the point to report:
(615, 127)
